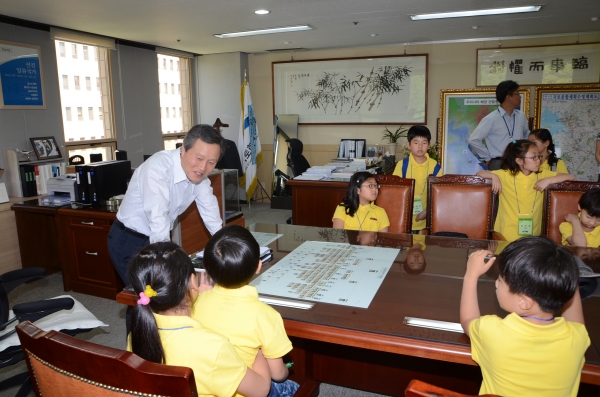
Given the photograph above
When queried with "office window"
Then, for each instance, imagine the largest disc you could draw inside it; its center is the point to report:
(93, 106)
(176, 117)
(65, 81)
(62, 50)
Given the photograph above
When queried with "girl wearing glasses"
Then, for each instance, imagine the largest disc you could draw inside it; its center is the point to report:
(542, 138)
(357, 210)
(520, 182)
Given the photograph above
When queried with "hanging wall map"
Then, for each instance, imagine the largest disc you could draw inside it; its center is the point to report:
(376, 90)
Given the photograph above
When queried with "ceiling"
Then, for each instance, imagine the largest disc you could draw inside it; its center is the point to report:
(189, 25)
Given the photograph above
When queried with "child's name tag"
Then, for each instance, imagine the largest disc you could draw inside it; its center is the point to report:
(418, 206)
(525, 227)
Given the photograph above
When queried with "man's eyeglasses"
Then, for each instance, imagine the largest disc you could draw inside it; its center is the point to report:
(535, 158)
(371, 186)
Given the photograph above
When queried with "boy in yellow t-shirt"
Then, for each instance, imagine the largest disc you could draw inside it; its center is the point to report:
(583, 230)
(529, 352)
(418, 166)
(232, 308)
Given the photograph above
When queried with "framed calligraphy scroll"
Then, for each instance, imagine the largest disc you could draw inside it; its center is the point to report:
(21, 79)
(572, 115)
(559, 64)
(460, 113)
(369, 90)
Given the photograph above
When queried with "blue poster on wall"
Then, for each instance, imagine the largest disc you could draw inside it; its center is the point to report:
(20, 76)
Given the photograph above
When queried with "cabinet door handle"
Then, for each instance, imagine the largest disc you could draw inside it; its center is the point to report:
(91, 253)
(87, 223)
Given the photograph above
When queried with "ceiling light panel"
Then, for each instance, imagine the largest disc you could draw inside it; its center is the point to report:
(476, 13)
(283, 29)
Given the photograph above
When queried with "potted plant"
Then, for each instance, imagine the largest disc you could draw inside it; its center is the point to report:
(393, 137)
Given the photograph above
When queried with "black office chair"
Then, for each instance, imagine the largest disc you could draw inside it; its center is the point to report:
(296, 161)
(77, 159)
(31, 311)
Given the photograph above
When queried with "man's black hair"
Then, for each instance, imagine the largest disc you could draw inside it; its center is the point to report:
(207, 134)
(540, 269)
(504, 88)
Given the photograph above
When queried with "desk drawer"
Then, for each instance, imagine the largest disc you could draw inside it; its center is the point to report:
(92, 263)
(90, 222)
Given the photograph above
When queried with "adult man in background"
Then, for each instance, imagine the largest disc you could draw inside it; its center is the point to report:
(160, 190)
(500, 127)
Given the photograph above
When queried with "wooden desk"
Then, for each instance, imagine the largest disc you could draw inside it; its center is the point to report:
(371, 349)
(314, 202)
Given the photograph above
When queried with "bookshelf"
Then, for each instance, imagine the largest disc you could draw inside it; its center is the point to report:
(12, 167)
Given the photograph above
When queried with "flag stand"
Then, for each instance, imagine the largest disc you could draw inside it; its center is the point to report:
(263, 194)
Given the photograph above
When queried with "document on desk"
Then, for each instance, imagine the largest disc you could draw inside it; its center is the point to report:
(336, 273)
(264, 239)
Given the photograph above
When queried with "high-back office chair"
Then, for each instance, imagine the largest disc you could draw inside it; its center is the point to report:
(560, 200)
(11, 353)
(396, 196)
(416, 388)
(76, 160)
(461, 204)
(61, 365)
(296, 161)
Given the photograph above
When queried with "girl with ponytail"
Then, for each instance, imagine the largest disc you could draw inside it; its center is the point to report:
(163, 332)
(542, 138)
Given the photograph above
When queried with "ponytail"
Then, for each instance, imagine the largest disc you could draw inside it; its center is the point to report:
(166, 268)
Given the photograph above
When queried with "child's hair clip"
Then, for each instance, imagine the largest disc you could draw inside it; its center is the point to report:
(514, 141)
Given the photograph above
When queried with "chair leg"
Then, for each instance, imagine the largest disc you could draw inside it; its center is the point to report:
(25, 388)
(15, 381)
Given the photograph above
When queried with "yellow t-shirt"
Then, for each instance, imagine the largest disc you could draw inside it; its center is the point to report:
(518, 358)
(248, 323)
(218, 369)
(529, 203)
(418, 172)
(561, 167)
(566, 231)
(369, 218)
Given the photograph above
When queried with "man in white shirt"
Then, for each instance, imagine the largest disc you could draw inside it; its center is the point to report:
(500, 127)
(160, 190)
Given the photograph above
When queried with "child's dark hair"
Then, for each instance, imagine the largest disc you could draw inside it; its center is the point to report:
(418, 130)
(541, 269)
(231, 256)
(544, 135)
(515, 150)
(350, 200)
(504, 88)
(166, 268)
(590, 202)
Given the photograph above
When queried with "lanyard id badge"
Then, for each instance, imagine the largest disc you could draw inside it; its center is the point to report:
(525, 225)
(418, 206)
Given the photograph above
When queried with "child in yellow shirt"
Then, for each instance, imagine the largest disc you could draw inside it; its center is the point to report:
(529, 352)
(583, 230)
(542, 138)
(418, 166)
(520, 184)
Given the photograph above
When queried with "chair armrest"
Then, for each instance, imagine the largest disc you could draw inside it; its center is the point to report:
(33, 311)
(497, 236)
(424, 232)
(10, 280)
(309, 388)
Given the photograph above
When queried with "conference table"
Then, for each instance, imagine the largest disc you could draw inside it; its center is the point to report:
(373, 349)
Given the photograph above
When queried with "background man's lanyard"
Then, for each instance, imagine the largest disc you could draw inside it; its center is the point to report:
(510, 133)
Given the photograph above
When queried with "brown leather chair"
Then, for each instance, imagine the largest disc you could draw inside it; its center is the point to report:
(396, 197)
(560, 200)
(61, 365)
(416, 388)
(461, 204)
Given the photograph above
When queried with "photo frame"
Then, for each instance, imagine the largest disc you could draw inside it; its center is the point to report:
(46, 148)
(460, 113)
(572, 115)
(366, 90)
(21, 77)
(541, 65)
